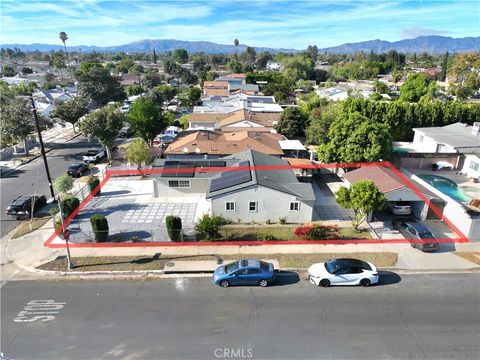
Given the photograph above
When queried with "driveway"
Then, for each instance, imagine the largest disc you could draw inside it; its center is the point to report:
(133, 213)
(326, 207)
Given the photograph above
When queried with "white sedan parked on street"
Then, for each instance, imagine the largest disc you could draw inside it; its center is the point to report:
(343, 272)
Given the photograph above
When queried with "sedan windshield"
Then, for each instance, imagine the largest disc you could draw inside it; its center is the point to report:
(426, 235)
(231, 267)
(332, 265)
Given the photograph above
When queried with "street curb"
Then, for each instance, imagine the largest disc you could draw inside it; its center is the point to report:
(36, 157)
(162, 274)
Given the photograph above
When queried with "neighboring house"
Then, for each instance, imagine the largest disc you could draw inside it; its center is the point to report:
(227, 104)
(43, 108)
(471, 166)
(394, 189)
(229, 84)
(332, 94)
(254, 192)
(455, 138)
(240, 119)
(274, 66)
(205, 144)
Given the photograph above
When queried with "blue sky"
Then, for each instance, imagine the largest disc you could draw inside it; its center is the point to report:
(275, 23)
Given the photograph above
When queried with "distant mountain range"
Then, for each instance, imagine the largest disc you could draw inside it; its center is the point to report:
(431, 44)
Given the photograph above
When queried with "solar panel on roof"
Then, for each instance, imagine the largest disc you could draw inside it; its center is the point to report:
(232, 178)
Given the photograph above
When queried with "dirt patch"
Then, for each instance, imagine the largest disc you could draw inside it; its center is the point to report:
(470, 256)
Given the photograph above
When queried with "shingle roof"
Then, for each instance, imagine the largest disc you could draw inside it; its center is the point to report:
(282, 179)
(384, 178)
(458, 135)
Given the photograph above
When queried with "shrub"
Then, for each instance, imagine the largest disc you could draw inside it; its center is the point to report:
(268, 222)
(317, 232)
(210, 226)
(174, 227)
(269, 237)
(93, 183)
(69, 205)
(135, 239)
(100, 227)
(57, 225)
(283, 220)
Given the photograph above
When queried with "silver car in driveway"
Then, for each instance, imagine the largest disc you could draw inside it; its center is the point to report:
(420, 235)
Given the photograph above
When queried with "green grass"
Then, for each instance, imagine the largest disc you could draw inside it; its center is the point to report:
(285, 232)
(27, 227)
(130, 263)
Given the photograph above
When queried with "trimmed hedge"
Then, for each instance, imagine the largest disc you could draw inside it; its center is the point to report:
(93, 184)
(100, 227)
(69, 205)
(174, 227)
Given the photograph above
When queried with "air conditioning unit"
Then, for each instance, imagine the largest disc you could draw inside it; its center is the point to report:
(476, 128)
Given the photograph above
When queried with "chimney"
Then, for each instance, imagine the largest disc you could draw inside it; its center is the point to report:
(476, 128)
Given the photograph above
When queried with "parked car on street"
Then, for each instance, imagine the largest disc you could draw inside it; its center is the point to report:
(77, 169)
(23, 206)
(125, 132)
(94, 155)
(244, 272)
(400, 207)
(420, 235)
(343, 272)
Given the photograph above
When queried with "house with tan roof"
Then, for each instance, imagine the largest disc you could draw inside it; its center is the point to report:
(395, 190)
(229, 84)
(206, 144)
(240, 119)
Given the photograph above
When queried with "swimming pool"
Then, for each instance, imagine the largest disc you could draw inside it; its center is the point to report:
(446, 186)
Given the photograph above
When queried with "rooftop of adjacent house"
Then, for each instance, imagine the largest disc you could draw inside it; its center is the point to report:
(384, 178)
(224, 143)
(226, 107)
(458, 135)
(263, 119)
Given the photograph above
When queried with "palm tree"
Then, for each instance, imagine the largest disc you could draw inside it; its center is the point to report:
(64, 37)
(236, 43)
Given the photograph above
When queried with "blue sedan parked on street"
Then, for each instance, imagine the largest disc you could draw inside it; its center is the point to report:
(244, 272)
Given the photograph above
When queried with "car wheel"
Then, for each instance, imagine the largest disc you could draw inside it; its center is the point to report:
(224, 283)
(263, 283)
(324, 283)
(365, 282)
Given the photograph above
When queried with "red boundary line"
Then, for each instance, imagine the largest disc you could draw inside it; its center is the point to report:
(109, 173)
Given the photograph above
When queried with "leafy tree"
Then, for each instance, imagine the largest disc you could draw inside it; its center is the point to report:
(292, 123)
(263, 58)
(248, 57)
(49, 77)
(63, 183)
(194, 94)
(27, 70)
(8, 71)
(234, 66)
(297, 68)
(396, 75)
(138, 153)
(312, 51)
(363, 198)
(464, 78)
(320, 121)
(87, 66)
(184, 122)
(124, 65)
(72, 110)
(211, 75)
(133, 90)
(210, 226)
(152, 79)
(104, 124)
(101, 87)
(443, 75)
(136, 69)
(57, 61)
(355, 138)
(161, 93)
(180, 55)
(146, 119)
(414, 88)
(16, 122)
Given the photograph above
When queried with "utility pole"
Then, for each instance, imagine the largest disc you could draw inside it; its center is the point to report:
(42, 148)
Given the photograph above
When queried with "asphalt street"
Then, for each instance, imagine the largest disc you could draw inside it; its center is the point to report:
(31, 178)
(407, 316)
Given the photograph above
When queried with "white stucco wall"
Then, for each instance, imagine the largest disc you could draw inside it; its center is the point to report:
(271, 205)
(471, 161)
(427, 144)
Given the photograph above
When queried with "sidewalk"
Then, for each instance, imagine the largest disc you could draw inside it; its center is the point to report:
(28, 252)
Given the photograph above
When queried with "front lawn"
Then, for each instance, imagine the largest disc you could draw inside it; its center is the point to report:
(29, 226)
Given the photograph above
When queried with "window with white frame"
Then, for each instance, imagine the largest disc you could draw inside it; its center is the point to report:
(179, 183)
(252, 206)
(294, 206)
(473, 165)
(230, 206)
(441, 148)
